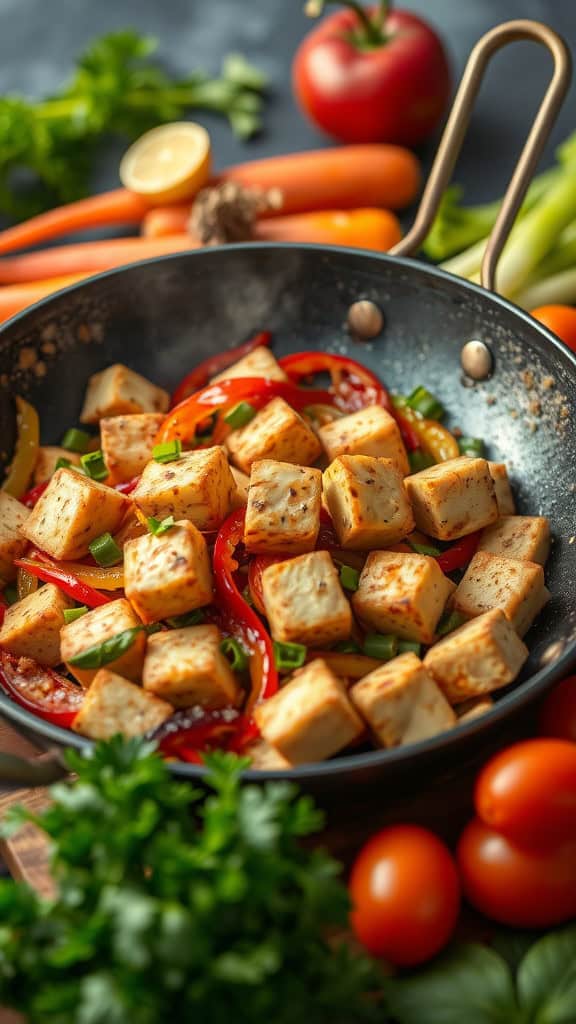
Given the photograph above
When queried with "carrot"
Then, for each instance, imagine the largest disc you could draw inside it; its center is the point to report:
(16, 297)
(363, 229)
(161, 221)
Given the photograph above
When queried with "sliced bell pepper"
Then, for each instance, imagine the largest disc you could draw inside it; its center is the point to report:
(40, 690)
(255, 569)
(26, 452)
(353, 385)
(34, 494)
(188, 741)
(458, 556)
(127, 486)
(66, 581)
(3, 607)
(433, 438)
(203, 373)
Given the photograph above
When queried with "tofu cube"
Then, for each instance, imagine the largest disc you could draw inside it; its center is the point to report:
(401, 703)
(283, 513)
(516, 587)
(94, 628)
(266, 758)
(119, 391)
(31, 627)
(258, 363)
(46, 461)
(187, 668)
(311, 718)
(367, 501)
(370, 431)
(13, 516)
(402, 593)
(71, 513)
(502, 489)
(114, 705)
(198, 486)
(523, 537)
(168, 575)
(481, 656)
(453, 498)
(242, 481)
(304, 601)
(127, 443)
(276, 432)
(473, 708)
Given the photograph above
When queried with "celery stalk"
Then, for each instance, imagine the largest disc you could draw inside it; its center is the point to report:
(557, 289)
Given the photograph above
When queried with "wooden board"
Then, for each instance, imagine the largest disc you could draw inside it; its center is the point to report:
(26, 853)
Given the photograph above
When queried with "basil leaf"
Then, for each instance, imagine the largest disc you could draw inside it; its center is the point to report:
(547, 979)
(111, 649)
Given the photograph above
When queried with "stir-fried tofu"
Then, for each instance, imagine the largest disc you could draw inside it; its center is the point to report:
(168, 575)
(187, 668)
(31, 627)
(304, 601)
(311, 718)
(401, 703)
(96, 626)
(453, 498)
(276, 432)
(198, 486)
(127, 443)
(402, 593)
(72, 512)
(502, 489)
(473, 708)
(114, 705)
(258, 363)
(283, 513)
(367, 501)
(47, 459)
(242, 481)
(523, 537)
(516, 587)
(265, 758)
(119, 391)
(370, 431)
(481, 656)
(13, 516)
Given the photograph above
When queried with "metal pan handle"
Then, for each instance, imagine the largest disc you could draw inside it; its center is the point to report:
(457, 125)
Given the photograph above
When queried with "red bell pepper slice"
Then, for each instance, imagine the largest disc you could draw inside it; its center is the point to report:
(65, 581)
(188, 741)
(255, 570)
(3, 607)
(40, 690)
(458, 556)
(34, 494)
(127, 486)
(353, 385)
(203, 373)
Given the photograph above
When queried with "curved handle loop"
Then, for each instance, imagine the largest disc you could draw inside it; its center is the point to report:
(456, 127)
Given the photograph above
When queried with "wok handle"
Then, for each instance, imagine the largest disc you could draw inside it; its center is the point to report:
(457, 125)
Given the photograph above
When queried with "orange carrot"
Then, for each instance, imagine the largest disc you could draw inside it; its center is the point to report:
(16, 297)
(161, 221)
(364, 228)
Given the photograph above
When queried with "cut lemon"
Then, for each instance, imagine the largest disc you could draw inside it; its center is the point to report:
(168, 163)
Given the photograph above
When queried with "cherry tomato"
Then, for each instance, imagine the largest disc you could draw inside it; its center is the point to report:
(559, 319)
(517, 885)
(406, 895)
(558, 714)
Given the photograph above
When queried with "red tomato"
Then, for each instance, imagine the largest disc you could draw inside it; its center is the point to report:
(528, 792)
(406, 895)
(515, 885)
(559, 319)
(362, 82)
(558, 714)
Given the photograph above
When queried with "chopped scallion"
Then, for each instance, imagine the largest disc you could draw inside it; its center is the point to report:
(62, 464)
(419, 460)
(168, 451)
(71, 614)
(409, 646)
(287, 657)
(380, 646)
(240, 415)
(105, 550)
(449, 622)
(424, 549)
(160, 526)
(75, 440)
(473, 446)
(154, 627)
(106, 652)
(424, 402)
(188, 619)
(399, 401)
(349, 577)
(347, 647)
(94, 466)
(235, 653)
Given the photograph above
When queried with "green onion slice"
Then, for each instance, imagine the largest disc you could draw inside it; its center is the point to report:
(75, 440)
(105, 550)
(409, 646)
(347, 647)
(449, 622)
(349, 577)
(424, 402)
(160, 526)
(168, 451)
(380, 646)
(424, 549)
(235, 654)
(240, 415)
(106, 652)
(62, 464)
(71, 614)
(287, 657)
(94, 466)
(419, 460)
(473, 446)
(188, 619)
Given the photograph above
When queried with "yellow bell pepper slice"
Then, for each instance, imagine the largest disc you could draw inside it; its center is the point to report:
(26, 452)
(436, 440)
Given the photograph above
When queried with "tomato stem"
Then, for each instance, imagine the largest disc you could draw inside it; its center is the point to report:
(370, 31)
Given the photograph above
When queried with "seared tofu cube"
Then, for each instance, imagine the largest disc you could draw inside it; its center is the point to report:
(283, 513)
(242, 481)
(31, 627)
(401, 593)
(119, 391)
(266, 758)
(168, 575)
(71, 513)
(516, 587)
(127, 443)
(304, 601)
(46, 460)
(114, 705)
(523, 537)
(481, 656)
(311, 718)
(367, 501)
(198, 486)
(370, 431)
(94, 628)
(258, 363)
(473, 708)
(502, 489)
(13, 516)
(453, 498)
(276, 432)
(187, 668)
(401, 703)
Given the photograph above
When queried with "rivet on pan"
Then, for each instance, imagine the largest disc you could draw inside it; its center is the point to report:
(476, 359)
(365, 319)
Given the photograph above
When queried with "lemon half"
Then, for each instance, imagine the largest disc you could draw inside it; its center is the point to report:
(168, 163)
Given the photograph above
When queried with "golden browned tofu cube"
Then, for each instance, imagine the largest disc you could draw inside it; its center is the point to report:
(311, 718)
(31, 627)
(187, 668)
(401, 703)
(46, 460)
(168, 575)
(127, 443)
(13, 544)
(367, 501)
(370, 431)
(283, 513)
(402, 593)
(481, 656)
(113, 705)
(304, 601)
(453, 498)
(523, 537)
(198, 486)
(242, 481)
(258, 363)
(266, 758)
(502, 489)
(473, 708)
(490, 581)
(72, 512)
(119, 391)
(94, 628)
(276, 432)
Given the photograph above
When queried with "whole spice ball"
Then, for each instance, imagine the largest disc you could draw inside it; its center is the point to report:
(476, 360)
(365, 319)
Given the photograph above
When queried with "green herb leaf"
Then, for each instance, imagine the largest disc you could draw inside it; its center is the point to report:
(187, 619)
(111, 649)
(547, 979)
(158, 527)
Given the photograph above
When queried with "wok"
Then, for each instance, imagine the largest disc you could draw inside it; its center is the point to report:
(163, 316)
